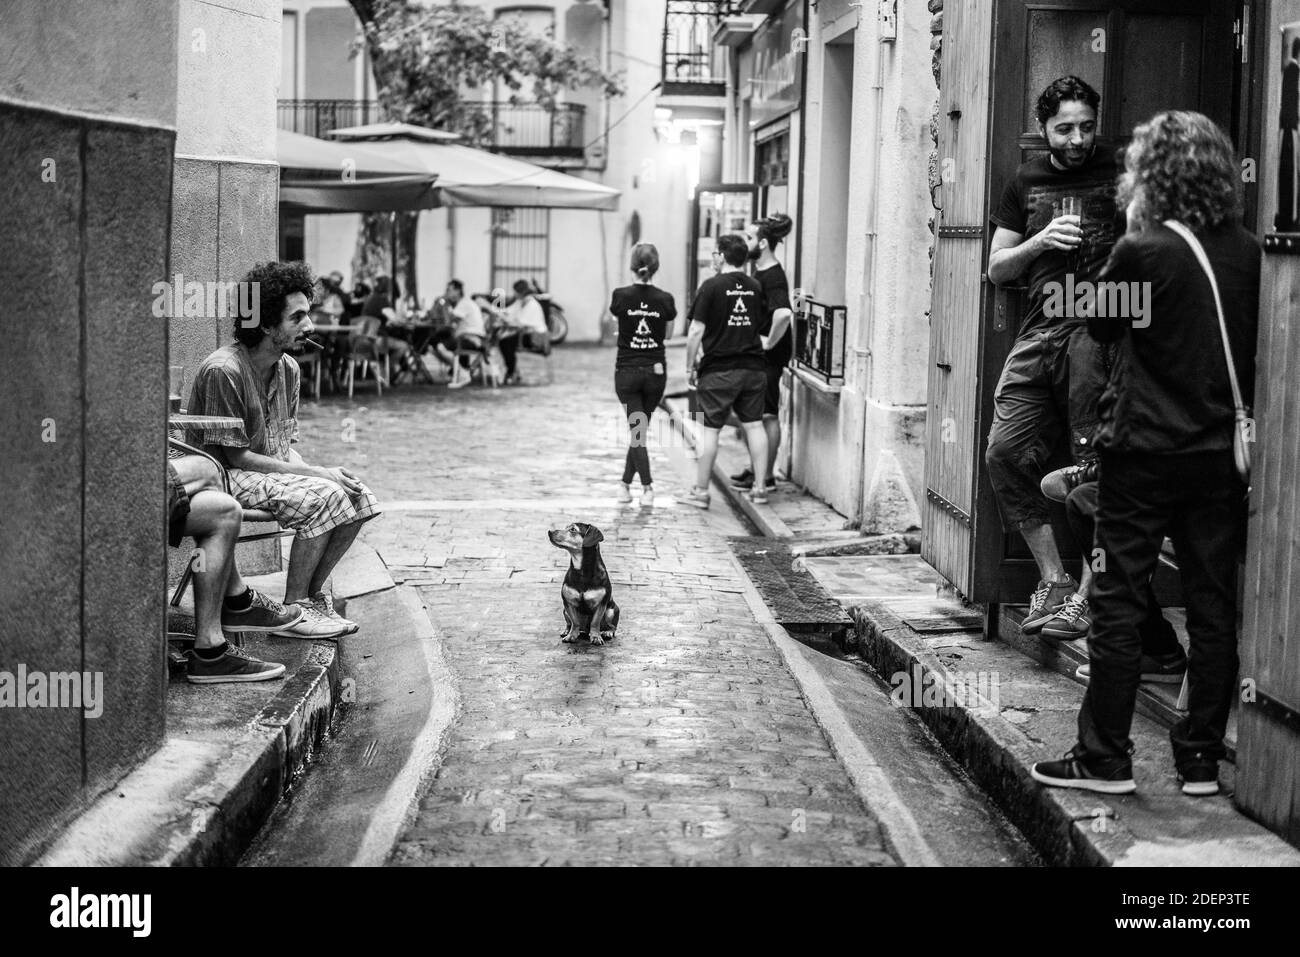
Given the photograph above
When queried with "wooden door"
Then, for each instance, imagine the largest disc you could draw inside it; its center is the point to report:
(1142, 56)
(1268, 730)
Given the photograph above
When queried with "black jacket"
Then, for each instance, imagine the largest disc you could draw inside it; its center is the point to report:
(1169, 391)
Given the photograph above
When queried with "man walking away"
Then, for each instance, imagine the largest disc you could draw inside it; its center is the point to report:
(729, 319)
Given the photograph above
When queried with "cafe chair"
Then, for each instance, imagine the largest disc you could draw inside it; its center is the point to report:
(364, 348)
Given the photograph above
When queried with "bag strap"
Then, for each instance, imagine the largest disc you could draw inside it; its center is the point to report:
(1199, 251)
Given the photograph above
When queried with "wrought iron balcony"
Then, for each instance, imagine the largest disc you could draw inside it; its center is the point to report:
(525, 129)
(320, 117)
(692, 64)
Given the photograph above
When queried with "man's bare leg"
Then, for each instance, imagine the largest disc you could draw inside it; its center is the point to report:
(756, 439)
(1042, 544)
(214, 522)
(707, 452)
(340, 540)
(304, 555)
(772, 426)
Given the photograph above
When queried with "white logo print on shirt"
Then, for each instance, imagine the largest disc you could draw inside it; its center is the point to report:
(643, 337)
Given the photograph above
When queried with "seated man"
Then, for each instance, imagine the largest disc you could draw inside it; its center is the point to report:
(466, 332)
(197, 506)
(527, 321)
(254, 380)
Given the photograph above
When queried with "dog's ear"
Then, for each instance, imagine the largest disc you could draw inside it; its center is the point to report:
(591, 535)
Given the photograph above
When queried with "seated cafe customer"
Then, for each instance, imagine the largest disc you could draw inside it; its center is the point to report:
(254, 380)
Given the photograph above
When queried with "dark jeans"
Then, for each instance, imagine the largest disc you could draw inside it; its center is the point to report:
(1197, 500)
(1049, 387)
(640, 389)
(1158, 637)
(509, 346)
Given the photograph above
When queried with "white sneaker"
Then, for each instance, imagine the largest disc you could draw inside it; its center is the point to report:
(313, 625)
(325, 605)
(458, 383)
(624, 496)
(647, 496)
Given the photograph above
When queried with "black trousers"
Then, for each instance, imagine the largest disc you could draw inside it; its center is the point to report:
(1158, 636)
(1198, 501)
(640, 389)
(510, 345)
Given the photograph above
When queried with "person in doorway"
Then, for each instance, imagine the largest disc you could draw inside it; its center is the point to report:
(764, 236)
(728, 320)
(644, 314)
(1166, 448)
(1057, 222)
(255, 380)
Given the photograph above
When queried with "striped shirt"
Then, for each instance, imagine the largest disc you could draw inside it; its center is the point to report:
(227, 384)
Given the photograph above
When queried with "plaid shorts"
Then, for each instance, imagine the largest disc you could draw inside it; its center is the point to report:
(310, 506)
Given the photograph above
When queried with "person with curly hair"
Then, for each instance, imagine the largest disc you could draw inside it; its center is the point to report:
(1165, 448)
(255, 380)
(1056, 224)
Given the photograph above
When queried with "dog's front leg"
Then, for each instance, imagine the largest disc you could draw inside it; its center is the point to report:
(568, 636)
(600, 623)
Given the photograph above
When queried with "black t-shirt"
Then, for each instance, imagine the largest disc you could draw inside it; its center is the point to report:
(1027, 208)
(375, 305)
(1169, 389)
(644, 313)
(731, 307)
(776, 295)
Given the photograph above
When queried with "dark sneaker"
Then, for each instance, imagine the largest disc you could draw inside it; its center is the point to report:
(1045, 602)
(263, 615)
(1071, 772)
(1058, 485)
(236, 665)
(1167, 669)
(1200, 778)
(1070, 622)
(745, 481)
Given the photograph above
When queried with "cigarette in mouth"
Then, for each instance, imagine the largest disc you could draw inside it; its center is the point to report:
(313, 343)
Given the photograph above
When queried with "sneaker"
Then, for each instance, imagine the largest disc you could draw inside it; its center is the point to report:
(1200, 778)
(458, 383)
(647, 496)
(1046, 601)
(1071, 772)
(745, 481)
(1168, 669)
(758, 498)
(234, 666)
(697, 497)
(624, 496)
(1070, 622)
(263, 615)
(325, 605)
(314, 625)
(1058, 485)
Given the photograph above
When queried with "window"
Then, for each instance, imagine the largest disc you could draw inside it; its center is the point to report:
(520, 246)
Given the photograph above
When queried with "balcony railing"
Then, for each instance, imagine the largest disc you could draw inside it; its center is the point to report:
(524, 129)
(320, 117)
(528, 129)
(691, 62)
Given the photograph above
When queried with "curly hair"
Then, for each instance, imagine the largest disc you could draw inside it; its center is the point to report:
(1059, 91)
(1181, 165)
(774, 228)
(276, 282)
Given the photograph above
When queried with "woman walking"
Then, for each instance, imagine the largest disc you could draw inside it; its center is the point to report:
(1166, 446)
(644, 313)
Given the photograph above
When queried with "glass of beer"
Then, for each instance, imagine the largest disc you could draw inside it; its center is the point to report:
(176, 382)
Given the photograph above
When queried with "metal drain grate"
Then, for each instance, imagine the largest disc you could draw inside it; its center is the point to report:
(795, 598)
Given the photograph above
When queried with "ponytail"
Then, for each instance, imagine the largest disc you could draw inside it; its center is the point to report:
(645, 261)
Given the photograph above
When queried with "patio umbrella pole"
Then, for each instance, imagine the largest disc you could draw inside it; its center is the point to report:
(392, 242)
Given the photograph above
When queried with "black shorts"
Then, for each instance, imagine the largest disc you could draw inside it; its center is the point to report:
(178, 507)
(772, 395)
(725, 389)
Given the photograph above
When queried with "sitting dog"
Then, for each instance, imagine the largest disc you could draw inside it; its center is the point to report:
(588, 598)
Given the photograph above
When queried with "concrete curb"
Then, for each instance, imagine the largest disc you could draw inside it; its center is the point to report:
(200, 803)
(1064, 825)
(764, 518)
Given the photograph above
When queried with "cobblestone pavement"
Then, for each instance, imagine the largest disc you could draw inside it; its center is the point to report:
(683, 741)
